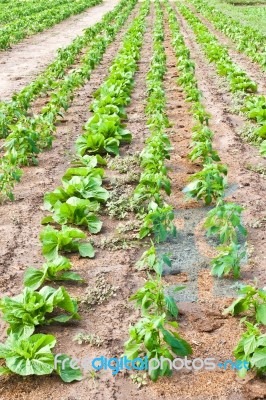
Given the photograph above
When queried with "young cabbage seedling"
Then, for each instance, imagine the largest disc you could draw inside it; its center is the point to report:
(56, 270)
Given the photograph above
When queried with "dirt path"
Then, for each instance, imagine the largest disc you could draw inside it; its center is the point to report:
(252, 69)
(28, 58)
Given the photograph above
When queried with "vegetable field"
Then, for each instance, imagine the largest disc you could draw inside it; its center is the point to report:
(132, 200)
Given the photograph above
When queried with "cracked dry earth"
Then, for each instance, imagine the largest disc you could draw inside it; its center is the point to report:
(201, 322)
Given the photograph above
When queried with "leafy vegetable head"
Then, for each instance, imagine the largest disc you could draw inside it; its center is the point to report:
(50, 271)
(30, 308)
(28, 355)
(67, 240)
(33, 355)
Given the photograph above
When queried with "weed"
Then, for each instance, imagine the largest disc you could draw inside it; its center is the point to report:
(88, 338)
(139, 379)
(124, 164)
(98, 293)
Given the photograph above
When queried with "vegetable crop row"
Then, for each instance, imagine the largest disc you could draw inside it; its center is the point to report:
(23, 9)
(224, 220)
(29, 135)
(11, 111)
(26, 353)
(153, 334)
(105, 130)
(210, 183)
(17, 30)
(248, 40)
(218, 54)
(253, 106)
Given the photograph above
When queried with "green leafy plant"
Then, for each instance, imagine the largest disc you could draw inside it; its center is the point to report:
(56, 270)
(252, 349)
(28, 356)
(224, 221)
(33, 356)
(208, 184)
(88, 187)
(251, 299)
(158, 221)
(67, 240)
(203, 150)
(150, 337)
(151, 261)
(254, 107)
(202, 138)
(9, 174)
(30, 308)
(228, 259)
(76, 211)
(151, 299)
(102, 143)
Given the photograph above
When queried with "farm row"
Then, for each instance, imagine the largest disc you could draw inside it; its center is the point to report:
(250, 12)
(240, 84)
(27, 18)
(123, 169)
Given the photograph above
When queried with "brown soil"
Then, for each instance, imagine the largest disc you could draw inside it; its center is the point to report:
(201, 323)
(25, 60)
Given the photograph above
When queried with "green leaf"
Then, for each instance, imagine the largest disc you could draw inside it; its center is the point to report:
(171, 306)
(68, 374)
(154, 374)
(86, 250)
(250, 344)
(94, 224)
(111, 146)
(259, 358)
(179, 346)
(47, 220)
(261, 314)
(132, 351)
(34, 278)
(72, 276)
(21, 330)
(238, 306)
(63, 300)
